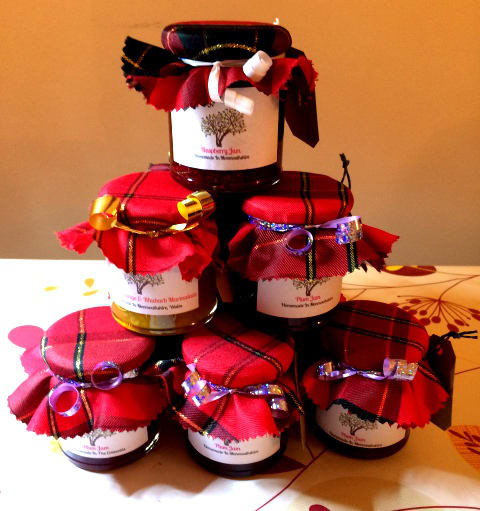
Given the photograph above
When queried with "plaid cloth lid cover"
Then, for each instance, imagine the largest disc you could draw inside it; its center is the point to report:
(230, 354)
(149, 200)
(303, 198)
(170, 84)
(361, 334)
(220, 40)
(71, 348)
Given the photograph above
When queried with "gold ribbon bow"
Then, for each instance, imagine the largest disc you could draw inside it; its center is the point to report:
(197, 205)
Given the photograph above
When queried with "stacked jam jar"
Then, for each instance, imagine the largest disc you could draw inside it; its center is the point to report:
(225, 277)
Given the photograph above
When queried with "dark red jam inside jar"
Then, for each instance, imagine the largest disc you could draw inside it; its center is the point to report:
(355, 436)
(311, 299)
(236, 459)
(103, 450)
(218, 149)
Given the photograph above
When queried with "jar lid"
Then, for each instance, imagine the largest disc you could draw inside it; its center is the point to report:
(145, 203)
(360, 335)
(228, 353)
(87, 372)
(74, 345)
(301, 198)
(221, 40)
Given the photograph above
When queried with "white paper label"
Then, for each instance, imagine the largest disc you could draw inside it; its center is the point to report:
(101, 443)
(235, 453)
(295, 298)
(348, 428)
(215, 137)
(162, 294)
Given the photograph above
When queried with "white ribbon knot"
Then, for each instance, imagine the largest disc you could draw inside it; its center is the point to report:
(255, 68)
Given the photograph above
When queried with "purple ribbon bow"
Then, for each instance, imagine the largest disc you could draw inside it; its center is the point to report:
(393, 369)
(68, 385)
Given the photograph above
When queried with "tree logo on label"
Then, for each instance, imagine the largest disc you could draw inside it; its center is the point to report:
(352, 421)
(142, 281)
(94, 435)
(308, 284)
(220, 124)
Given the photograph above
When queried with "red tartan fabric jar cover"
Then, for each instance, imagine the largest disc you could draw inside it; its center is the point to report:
(229, 354)
(361, 334)
(301, 198)
(148, 201)
(170, 84)
(70, 349)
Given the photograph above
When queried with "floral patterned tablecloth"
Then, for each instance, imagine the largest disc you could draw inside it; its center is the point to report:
(436, 469)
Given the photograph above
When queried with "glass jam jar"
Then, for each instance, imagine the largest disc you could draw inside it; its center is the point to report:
(227, 87)
(101, 399)
(159, 242)
(374, 380)
(239, 401)
(275, 274)
(221, 147)
(289, 259)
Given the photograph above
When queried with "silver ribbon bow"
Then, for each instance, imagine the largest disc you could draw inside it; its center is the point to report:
(348, 230)
(393, 369)
(202, 392)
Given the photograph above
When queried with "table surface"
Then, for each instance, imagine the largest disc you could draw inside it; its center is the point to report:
(435, 470)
